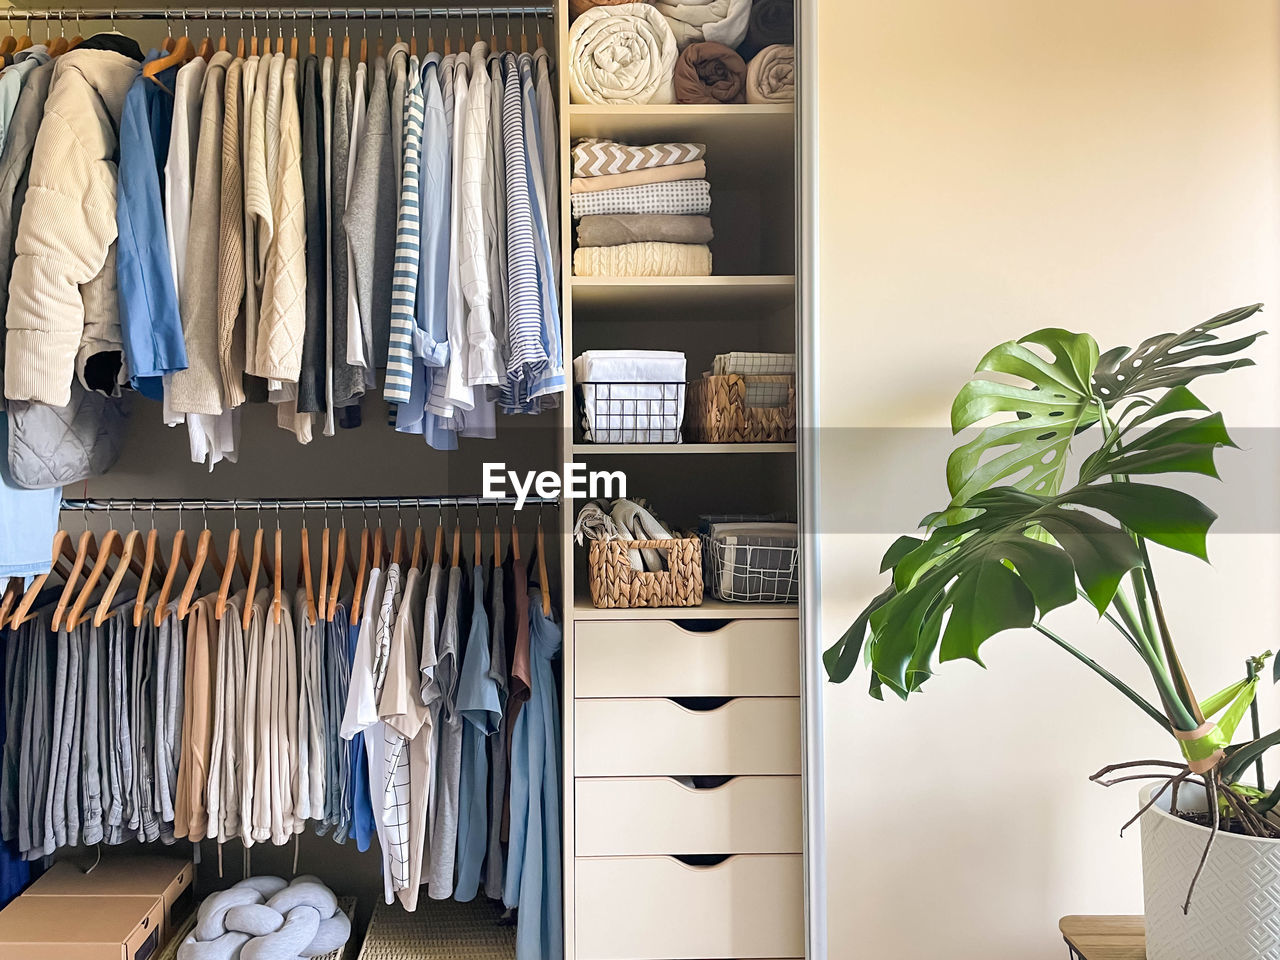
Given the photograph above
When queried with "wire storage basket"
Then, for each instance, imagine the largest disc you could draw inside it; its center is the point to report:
(749, 567)
(621, 412)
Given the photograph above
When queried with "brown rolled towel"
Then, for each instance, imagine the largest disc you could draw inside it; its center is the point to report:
(578, 7)
(710, 72)
(771, 75)
(772, 21)
(613, 230)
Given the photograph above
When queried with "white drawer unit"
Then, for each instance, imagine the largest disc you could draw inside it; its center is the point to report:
(636, 816)
(660, 658)
(660, 908)
(662, 738)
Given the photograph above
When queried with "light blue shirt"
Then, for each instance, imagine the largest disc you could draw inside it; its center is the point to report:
(28, 520)
(12, 80)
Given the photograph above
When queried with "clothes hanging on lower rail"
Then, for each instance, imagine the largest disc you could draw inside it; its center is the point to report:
(281, 226)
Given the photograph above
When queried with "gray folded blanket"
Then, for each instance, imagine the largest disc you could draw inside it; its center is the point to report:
(613, 230)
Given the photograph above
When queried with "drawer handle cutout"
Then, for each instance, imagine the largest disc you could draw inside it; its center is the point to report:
(701, 626)
(702, 783)
(701, 704)
(702, 861)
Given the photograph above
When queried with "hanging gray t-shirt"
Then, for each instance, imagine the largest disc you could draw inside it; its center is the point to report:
(447, 729)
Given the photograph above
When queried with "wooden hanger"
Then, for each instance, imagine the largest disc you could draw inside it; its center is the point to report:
(25, 40)
(439, 545)
(222, 41)
(497, 538)
(58, 45)
(240, 44)
(304, 572)
(397, 550)
(253, 52)
(255, 566)
(61, 549)
(477, 552)
(179, 553)
(346, 44)
(149, 563)
(127, 562)
(364, 46)
(293, 44)
(205, 550)
(457, 539)
(276, 592)
(361, 572)
(112, 546)
(515, 539)
(335, 585)
(10, 43)
(328, 52)
(311, 43)
(419, 541)
(379, 545)
(182, 52)
(322, 599)
(85, 550)
(544, 580)
(12, 593)
(234, 553)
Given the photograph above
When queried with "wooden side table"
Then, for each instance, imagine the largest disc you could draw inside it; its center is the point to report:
(1104, 938)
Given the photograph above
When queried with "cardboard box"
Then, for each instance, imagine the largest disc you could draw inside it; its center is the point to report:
(165, 878)
(81, 928)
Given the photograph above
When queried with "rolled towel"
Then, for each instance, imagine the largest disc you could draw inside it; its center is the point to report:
(612, 230)
(694, 170)
(692, 21)
(621, 54)
(678, 197)
(598, 158)
(643, 260)
(771, 75)
(594, 524)
(710, 72)
(578, 7)
(771, 21)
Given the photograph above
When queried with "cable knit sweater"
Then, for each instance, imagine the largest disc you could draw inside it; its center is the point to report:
(62, 300)
(231, 263)
(284, 293)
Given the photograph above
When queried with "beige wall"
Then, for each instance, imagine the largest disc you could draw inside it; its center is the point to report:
(989, 167)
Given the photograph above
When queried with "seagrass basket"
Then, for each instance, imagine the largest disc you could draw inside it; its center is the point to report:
(719, 410)
(616, 585)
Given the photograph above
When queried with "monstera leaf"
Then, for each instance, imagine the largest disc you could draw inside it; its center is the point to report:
(1028, 449)
(975, 578)
(1171, 359)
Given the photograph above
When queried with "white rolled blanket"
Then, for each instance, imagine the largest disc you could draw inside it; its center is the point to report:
(771, 75)
(692, 21)
(622, 54)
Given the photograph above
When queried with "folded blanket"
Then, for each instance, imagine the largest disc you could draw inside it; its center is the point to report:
(642, 525)
(646, 259)
(677, 197)
(710, 72)
(771, 75)
(578, 7)
(612, 230)
(594, 524)
(724, 21)
(598, 158)
(694, 170)
(621, 54)
(771, 21)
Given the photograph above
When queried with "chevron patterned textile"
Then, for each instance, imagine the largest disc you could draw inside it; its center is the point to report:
(596, 158)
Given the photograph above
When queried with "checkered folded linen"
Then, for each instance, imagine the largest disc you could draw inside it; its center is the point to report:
(674, 197)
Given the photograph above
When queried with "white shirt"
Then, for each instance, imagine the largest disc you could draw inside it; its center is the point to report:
(457, 392)
(481, 354)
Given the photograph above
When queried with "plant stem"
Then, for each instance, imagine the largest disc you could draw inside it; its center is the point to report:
(1110, 677)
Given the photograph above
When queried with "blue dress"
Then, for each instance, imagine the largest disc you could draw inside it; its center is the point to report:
(533, 882)
(481, 712)
(363, 825)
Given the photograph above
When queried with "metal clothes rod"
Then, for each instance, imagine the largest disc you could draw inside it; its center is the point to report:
(274, 13)
(194, 504)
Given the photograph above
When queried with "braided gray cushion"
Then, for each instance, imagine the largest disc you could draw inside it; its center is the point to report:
(300, 920)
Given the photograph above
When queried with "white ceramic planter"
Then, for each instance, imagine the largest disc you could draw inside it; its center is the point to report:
(1235, 913)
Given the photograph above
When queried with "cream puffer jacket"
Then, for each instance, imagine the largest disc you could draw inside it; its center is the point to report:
(62, 292)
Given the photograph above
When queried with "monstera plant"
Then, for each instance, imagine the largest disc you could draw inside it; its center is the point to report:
(1030, 529)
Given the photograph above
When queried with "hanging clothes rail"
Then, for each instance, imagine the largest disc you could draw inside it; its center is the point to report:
(343, 503)
(274, 13)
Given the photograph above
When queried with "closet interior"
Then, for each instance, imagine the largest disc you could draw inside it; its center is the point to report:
(678, 729)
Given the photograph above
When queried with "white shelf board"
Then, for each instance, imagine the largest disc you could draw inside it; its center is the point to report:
(762, 292)
(709, 610)
(587, 449)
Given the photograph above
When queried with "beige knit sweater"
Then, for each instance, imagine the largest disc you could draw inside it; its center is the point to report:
(198, 389)
(284, 293)
(231, 265)
(62, 301)
(257, 203)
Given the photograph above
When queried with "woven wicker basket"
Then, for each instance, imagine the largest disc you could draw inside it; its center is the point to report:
(616, 585)
(718, 412)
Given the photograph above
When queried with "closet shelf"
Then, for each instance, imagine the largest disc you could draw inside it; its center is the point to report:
(761, 291)
(587, 449)
(709, 610)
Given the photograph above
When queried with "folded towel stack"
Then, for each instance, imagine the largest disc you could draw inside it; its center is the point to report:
(642, 211)
(682, 51)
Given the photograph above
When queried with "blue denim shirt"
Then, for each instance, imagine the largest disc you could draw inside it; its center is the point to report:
(150, 324)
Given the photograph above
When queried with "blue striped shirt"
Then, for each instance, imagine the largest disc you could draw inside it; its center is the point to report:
(398, 386)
